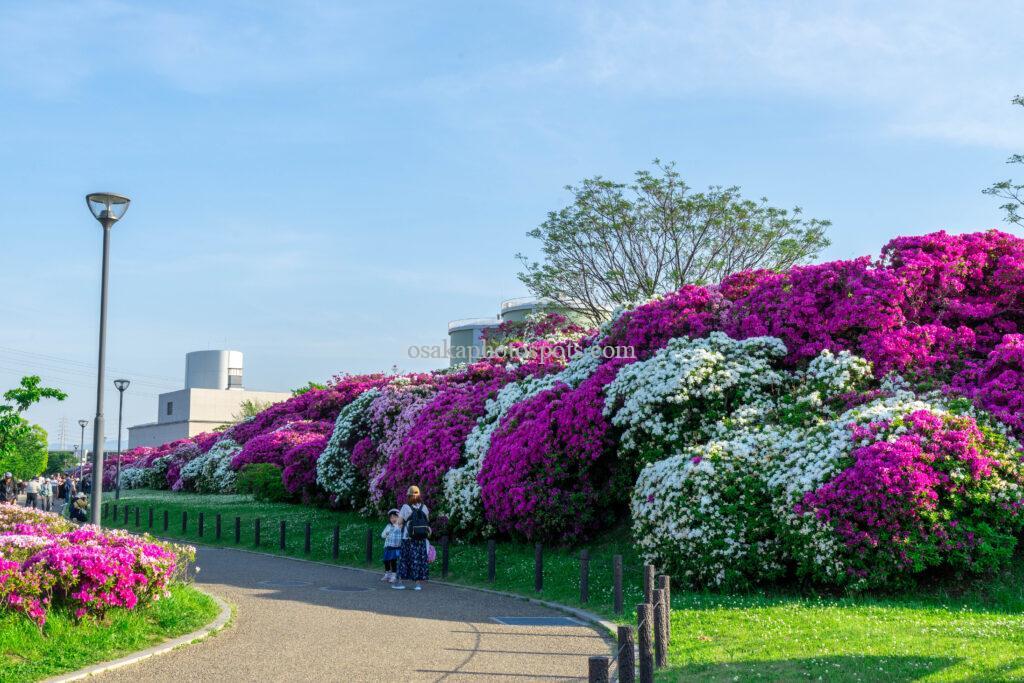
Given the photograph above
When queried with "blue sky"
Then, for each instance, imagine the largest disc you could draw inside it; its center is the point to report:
(322, 185)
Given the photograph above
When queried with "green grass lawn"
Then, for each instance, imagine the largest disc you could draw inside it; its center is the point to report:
(64, 645)
(946, 633)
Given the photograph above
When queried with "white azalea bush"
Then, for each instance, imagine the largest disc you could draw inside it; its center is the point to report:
(335, 472)
(211, 472)
(847, 495)
(675, 398)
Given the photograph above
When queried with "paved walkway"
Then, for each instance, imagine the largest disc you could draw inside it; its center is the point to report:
(300, 621)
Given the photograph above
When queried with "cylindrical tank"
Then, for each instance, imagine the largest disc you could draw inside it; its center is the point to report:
(516, 310)
(465, 339)
(213, 370)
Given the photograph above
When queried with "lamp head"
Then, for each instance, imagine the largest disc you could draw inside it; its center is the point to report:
(107, 207)
(83, 423)
(121, 384)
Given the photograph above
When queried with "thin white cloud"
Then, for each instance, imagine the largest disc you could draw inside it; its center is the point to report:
(934, 69)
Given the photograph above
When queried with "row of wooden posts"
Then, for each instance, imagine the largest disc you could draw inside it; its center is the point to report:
(638, 657)
(538, 555)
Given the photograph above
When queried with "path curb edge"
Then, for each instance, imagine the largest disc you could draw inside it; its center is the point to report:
(202, 633)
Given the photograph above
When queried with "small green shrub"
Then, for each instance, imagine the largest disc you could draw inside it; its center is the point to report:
(263, 481)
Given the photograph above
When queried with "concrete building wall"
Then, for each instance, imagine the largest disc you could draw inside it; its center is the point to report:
(465, 339)
(187, 412)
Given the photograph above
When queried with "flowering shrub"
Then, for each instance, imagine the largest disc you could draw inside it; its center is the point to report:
(434, 443)
(336, 472)
(45, 560)
(827, 423)
(547, 472)
(211, 472)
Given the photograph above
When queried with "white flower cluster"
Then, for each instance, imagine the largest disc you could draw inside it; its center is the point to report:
(335, 472)
(211, 472)
(722, 511)
(690, 383)
(133, 477)
(461, 490)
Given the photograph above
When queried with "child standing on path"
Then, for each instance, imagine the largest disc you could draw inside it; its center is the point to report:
(392, 536)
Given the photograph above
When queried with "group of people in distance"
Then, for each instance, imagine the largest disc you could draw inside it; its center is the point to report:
(58, 493)
(407, 549)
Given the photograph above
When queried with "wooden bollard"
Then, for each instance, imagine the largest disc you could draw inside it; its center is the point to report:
(202, 523)
(665, 585)
(150, 517)
(307, 541)
(106, 509)
(125, 515)
(238, 530)
(216, 527)
(184, 521)
(115, 511)
(617, 583)
(256, 532)
(167, 519)
(649, 584)
(282, 536)
(369, 546)
(626, 656)
(644, 639)
(538, 567)
(492, 563)
(584, 576)
(138, 511)
(660, 651)
(444, 557)
(336, 543)
(597, 670)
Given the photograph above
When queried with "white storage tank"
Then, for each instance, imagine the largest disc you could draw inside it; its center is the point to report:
(213, 370)
(465, 339)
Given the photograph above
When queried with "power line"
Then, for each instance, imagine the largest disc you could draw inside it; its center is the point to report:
(70, 361)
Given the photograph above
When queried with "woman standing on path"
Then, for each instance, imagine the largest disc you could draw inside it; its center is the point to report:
(412, 564)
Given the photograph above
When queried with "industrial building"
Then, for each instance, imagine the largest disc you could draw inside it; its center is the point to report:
(212, 397)
(465, 337)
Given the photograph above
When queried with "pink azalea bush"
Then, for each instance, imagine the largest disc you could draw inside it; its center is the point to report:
(929, 491)
(47, 561)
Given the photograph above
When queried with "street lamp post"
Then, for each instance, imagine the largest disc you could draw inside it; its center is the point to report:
(81, 456)
(121, 385)
(107, 208)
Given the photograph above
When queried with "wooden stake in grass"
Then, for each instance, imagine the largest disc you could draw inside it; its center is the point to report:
(216, 527)
(644, 631)
(184, 521)
(137, 513)
(167, 519)
(617, 584)
(444, 557)
(584, 576)
(626, 655)
(125, 516)
(665, 585)
(238, 530)
(202, 524)
(597, 670)
(281, 538)
(150, 516)
(336, 543)
(256, 532)
(538, 568)
(491, 560)
(660, 651)
(649, 583)
(307, 541)
(369, 546)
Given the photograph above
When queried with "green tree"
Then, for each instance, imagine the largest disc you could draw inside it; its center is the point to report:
(310, 386)
(1009, 191)
(23, 448)
(617, 244)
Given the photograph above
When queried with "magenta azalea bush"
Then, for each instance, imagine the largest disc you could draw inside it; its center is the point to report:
(46, 561)
(851, 423)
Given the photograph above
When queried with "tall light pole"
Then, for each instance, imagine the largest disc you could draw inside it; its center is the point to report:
(121, 385)
(81, 456)
(108, 209)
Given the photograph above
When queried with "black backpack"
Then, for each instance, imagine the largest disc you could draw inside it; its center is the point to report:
(419, 524)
